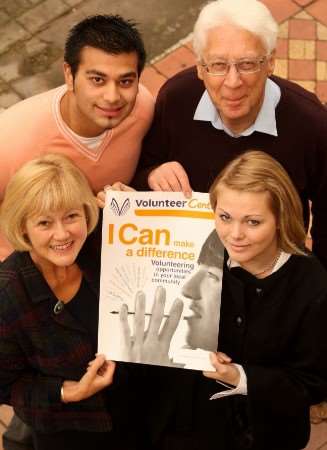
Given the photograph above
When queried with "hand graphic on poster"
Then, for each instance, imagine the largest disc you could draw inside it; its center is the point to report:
(150, 346)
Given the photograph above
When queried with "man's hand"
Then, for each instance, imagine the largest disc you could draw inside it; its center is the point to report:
(170, 176)
(98, 375)
(226, 371)
(150, 346)
(118, 186)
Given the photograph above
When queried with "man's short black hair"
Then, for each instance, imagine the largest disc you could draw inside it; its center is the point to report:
(110, 33)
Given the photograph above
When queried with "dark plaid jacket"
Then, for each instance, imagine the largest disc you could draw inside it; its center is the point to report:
(39, 350)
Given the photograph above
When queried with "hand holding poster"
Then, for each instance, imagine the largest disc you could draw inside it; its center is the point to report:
(161, 278)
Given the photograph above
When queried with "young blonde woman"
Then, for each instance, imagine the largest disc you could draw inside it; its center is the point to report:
(271, 361)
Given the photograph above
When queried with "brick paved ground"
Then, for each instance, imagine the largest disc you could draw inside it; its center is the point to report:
(30, 62)
(32, 34)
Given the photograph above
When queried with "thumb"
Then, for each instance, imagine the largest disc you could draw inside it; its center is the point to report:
(223, 358)
(94, 366)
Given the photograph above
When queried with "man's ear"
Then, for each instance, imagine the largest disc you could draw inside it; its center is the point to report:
(271, 62)
(199, 70)
(69, 79)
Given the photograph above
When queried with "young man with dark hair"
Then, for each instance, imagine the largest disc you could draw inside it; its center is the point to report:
(97, 119)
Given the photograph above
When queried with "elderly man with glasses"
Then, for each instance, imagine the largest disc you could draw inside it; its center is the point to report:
(229, 103)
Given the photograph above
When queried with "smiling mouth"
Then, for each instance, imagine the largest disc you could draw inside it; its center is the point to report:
(239, 247)
(61, 247)
(234, 100)
(110, 112)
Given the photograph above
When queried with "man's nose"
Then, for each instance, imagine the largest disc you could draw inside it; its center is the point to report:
(111, 93)
(233, 78)
(191, 288)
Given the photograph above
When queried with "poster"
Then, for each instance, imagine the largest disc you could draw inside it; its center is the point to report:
(161, 278)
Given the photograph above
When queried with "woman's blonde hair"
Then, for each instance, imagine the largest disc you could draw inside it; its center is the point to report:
(42, 185)
(256, 171)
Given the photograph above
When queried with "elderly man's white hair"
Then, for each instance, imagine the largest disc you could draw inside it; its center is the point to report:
(251, 15)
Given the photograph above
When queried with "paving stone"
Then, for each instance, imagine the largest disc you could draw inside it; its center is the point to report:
(318, 10)
(303, 15)
(16, 7)
(301, 69)
(10, 71)
(11, 33)
(34, 46)
(8, 99)
(282, 48)
(321, 32)
(3, 86)
(282, 9)
(152, 80)
(302, 29)
(283, 30)
(37, 82)
(73, 2)
(321, 70)
(281, 68)
(175, 62)
(301, 49)
(4, 18)
(321, 50)
(36, 18)
(308, 85)
(42, 64)
(28, 86)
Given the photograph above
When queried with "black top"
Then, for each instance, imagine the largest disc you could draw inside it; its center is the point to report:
(39, 349)
(85, 309)
(276, 329)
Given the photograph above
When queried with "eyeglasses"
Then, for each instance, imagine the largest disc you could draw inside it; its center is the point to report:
(246, 65)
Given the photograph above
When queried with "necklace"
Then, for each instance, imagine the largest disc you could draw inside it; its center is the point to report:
(270, 266)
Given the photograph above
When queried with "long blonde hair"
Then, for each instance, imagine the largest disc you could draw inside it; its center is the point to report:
(256, 171)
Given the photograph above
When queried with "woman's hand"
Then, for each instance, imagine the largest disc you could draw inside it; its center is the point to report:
(226, 371)
(118, 186)
(151, 345)
(98, 375)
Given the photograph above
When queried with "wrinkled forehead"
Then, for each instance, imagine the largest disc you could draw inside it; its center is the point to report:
(232, 41)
